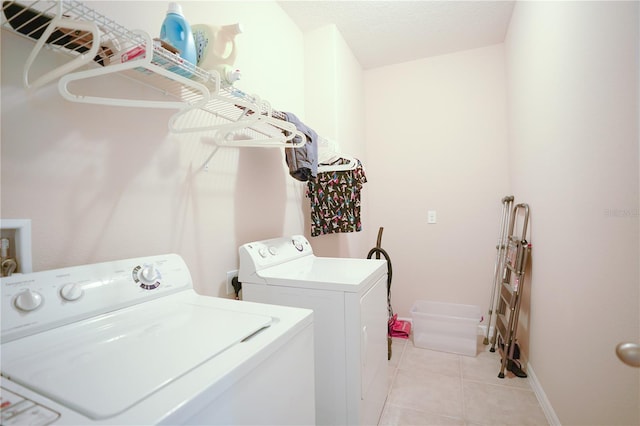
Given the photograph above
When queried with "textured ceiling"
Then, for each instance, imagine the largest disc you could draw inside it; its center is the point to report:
(387, 32)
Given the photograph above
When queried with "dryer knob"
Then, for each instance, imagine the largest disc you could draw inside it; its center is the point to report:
(297, 244)
(71, 292)
(28, 300)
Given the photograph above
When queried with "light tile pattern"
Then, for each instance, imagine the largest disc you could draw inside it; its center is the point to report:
(439, 388)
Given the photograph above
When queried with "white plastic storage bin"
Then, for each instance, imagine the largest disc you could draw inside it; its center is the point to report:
(447, 327)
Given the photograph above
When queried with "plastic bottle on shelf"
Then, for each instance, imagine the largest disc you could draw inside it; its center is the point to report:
(176, 31)
(216, 49)
(229, 74)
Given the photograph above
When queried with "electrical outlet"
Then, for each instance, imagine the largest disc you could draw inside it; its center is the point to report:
(431, 216)
(18, 234)
(230, 276)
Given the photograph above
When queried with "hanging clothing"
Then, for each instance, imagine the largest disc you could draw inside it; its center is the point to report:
(335, 200)
(302, 161)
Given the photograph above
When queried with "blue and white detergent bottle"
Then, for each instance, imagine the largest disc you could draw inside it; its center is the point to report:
(177, 32)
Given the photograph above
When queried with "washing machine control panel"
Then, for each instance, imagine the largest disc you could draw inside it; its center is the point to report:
(41, 300)
(17, 409)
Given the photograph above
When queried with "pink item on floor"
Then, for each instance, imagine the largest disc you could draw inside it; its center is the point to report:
(399, 328)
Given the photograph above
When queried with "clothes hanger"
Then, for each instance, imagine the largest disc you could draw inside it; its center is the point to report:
(351, 165)
(328, 155)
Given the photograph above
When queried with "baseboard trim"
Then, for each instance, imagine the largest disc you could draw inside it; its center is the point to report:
(548, 410)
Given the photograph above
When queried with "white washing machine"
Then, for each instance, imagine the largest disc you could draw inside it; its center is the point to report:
(130, 342)
(349, 300)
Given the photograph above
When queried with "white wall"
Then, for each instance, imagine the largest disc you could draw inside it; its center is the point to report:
(573, 117)
(437, 140)
(335, 105)
(103, 183)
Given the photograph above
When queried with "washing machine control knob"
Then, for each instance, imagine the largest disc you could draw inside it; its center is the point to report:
(262, 251)
(273, 250)
(28, 300)
(71, 292)
(147, 276)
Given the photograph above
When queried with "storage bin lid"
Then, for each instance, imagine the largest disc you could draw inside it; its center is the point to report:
(446, 309)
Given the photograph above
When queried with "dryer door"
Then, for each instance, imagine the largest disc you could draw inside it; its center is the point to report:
(373, 355)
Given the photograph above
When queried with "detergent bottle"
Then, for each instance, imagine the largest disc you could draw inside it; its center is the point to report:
(176, 31)
(216, 49)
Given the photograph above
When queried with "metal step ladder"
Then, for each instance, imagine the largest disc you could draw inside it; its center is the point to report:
(511, 289)
(501, 249)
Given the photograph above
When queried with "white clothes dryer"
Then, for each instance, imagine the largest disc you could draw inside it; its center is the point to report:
(130, 342)
(349, 300)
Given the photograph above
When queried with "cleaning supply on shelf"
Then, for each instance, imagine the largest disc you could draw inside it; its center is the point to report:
(229, 74)
(217, 51)
(33, 23)
(177, 32)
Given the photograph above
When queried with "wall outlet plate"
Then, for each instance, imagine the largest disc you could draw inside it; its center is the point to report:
(431, 216)
(18, 232)
(230, 276)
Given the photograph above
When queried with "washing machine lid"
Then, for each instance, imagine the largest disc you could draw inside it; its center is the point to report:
(103, 366)
(325, 273)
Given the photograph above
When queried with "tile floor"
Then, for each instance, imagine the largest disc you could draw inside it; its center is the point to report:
(439, 388)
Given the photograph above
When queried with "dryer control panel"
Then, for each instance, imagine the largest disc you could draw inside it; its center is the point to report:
(264, 254)
(40, 301)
